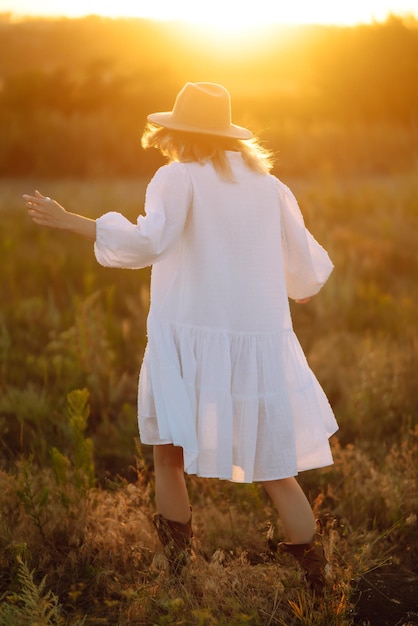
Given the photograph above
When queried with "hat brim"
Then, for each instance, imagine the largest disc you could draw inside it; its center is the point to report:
(166, 120)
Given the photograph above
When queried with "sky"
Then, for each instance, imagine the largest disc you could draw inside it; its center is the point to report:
(231, 14)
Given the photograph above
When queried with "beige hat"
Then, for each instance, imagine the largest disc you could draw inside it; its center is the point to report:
(201, 108)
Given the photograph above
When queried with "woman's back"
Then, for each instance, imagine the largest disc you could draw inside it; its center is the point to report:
(228, 262)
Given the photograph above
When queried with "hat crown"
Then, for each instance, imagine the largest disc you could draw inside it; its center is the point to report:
(203, 105)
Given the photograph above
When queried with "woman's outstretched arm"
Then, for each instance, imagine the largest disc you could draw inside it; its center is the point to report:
(47, 212)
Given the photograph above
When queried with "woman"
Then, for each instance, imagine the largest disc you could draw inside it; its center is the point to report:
(225, 390)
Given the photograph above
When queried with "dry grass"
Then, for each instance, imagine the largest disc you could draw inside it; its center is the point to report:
(101, 558)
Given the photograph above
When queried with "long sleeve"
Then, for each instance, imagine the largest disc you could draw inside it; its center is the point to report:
(121, 243)
(307, 265)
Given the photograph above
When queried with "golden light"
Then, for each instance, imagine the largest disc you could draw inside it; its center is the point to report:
(223, 15)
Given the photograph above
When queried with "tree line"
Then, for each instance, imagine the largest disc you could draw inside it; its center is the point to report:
(74, 94)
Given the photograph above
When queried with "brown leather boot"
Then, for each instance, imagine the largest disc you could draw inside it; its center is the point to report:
(176, 540)
(312, 558)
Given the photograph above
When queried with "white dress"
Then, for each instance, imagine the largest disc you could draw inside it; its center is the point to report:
(223, 374)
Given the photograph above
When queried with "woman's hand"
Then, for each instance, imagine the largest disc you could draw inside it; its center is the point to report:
(47, 212)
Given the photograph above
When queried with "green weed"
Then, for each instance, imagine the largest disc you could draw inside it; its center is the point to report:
(31, 603)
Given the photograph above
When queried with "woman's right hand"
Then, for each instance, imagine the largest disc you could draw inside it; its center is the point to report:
(47, 212)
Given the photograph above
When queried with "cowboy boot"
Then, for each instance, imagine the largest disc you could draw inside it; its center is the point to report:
(312, 559)
(176, 540)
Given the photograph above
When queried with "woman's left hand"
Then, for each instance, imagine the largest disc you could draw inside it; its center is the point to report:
(47, 212)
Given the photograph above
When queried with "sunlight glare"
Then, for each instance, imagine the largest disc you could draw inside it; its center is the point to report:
(223, 15)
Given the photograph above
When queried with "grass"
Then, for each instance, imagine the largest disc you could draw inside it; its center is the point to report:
(77, 544)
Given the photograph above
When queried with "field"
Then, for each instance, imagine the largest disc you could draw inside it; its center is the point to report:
(77, 543)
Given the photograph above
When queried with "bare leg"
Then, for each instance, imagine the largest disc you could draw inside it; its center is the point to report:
(171, 497)
(294, 509)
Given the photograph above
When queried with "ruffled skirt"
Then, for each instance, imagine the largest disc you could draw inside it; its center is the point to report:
(243, 406)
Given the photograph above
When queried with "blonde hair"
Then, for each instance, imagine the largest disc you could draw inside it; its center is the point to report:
(189, 147)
